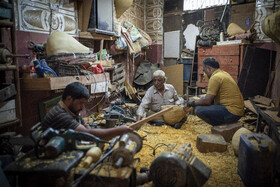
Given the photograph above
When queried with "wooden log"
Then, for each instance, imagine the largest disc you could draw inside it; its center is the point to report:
(145, 120)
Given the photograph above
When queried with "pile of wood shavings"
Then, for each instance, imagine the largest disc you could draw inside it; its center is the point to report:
(223, 165)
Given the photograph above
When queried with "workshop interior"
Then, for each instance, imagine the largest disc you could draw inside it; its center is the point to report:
(116, 48)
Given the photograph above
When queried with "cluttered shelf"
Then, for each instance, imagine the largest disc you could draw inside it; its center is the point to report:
(55, 83)
(95, 36)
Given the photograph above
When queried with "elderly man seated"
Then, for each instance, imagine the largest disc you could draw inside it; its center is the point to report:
(158, 95)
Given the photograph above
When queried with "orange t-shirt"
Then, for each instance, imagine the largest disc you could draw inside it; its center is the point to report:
(226, 92)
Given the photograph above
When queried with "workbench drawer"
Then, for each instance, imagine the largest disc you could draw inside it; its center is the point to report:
(228, 56)
(217, 50)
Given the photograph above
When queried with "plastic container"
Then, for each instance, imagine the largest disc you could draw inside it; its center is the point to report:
(256, 159)
(32, 71)
(187, 68)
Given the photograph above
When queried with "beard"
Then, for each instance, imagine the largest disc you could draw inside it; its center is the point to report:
(72, 109)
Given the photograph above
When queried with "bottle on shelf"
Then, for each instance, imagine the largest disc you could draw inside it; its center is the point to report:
(32, 71)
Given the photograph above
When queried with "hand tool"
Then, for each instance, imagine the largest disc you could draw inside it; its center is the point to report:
(129, 144)
(50, 143)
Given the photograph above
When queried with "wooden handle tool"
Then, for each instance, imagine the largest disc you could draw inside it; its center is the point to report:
(145, 120)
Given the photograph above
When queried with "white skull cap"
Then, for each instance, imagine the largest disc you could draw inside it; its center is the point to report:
(159, 73)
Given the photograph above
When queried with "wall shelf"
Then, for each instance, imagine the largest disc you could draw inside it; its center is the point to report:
(55, 83)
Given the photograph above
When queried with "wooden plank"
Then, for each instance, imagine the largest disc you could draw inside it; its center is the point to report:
(118, 76)
(219, 50)
(193, 61)
(84, 9)
(273, 115)
(101, 49)
(7, 67)
(263, 100)
(55, 83)
(255, 73)
(269, 84)
(95, 36)
(174, 76)
(104, 63)
(145, 120)
(249, 106)
(243, 15)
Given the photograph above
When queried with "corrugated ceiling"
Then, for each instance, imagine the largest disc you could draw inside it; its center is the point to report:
(199, 4)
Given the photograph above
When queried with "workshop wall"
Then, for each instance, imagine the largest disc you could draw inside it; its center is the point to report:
(154, 22)
(242, 14)
(172, 21)
(148, 15)
(33, 26)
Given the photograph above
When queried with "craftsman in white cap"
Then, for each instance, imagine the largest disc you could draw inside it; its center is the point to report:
(156, 96)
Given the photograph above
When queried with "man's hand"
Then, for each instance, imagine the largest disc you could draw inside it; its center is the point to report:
(87, 126)
(186, 107)
(189, 104)
(124, 128)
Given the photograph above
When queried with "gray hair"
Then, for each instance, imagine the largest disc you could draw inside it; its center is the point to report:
(159, 73)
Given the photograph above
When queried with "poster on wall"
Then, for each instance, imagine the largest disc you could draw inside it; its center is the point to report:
(172, 44)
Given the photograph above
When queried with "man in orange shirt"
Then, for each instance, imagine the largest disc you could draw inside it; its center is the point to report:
(223, 102)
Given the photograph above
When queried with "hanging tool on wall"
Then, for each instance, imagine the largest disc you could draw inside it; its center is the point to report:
(6, 57)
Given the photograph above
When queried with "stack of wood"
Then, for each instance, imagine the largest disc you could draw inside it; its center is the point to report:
(118, 76)
(269, 105)
(131, 92)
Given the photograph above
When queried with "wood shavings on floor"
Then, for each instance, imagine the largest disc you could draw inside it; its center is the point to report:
(223, 165)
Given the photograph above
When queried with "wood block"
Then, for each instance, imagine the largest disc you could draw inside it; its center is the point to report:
(227, 131)
(263, 100)
(206, 143)
(236, 139)
(249, 105)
